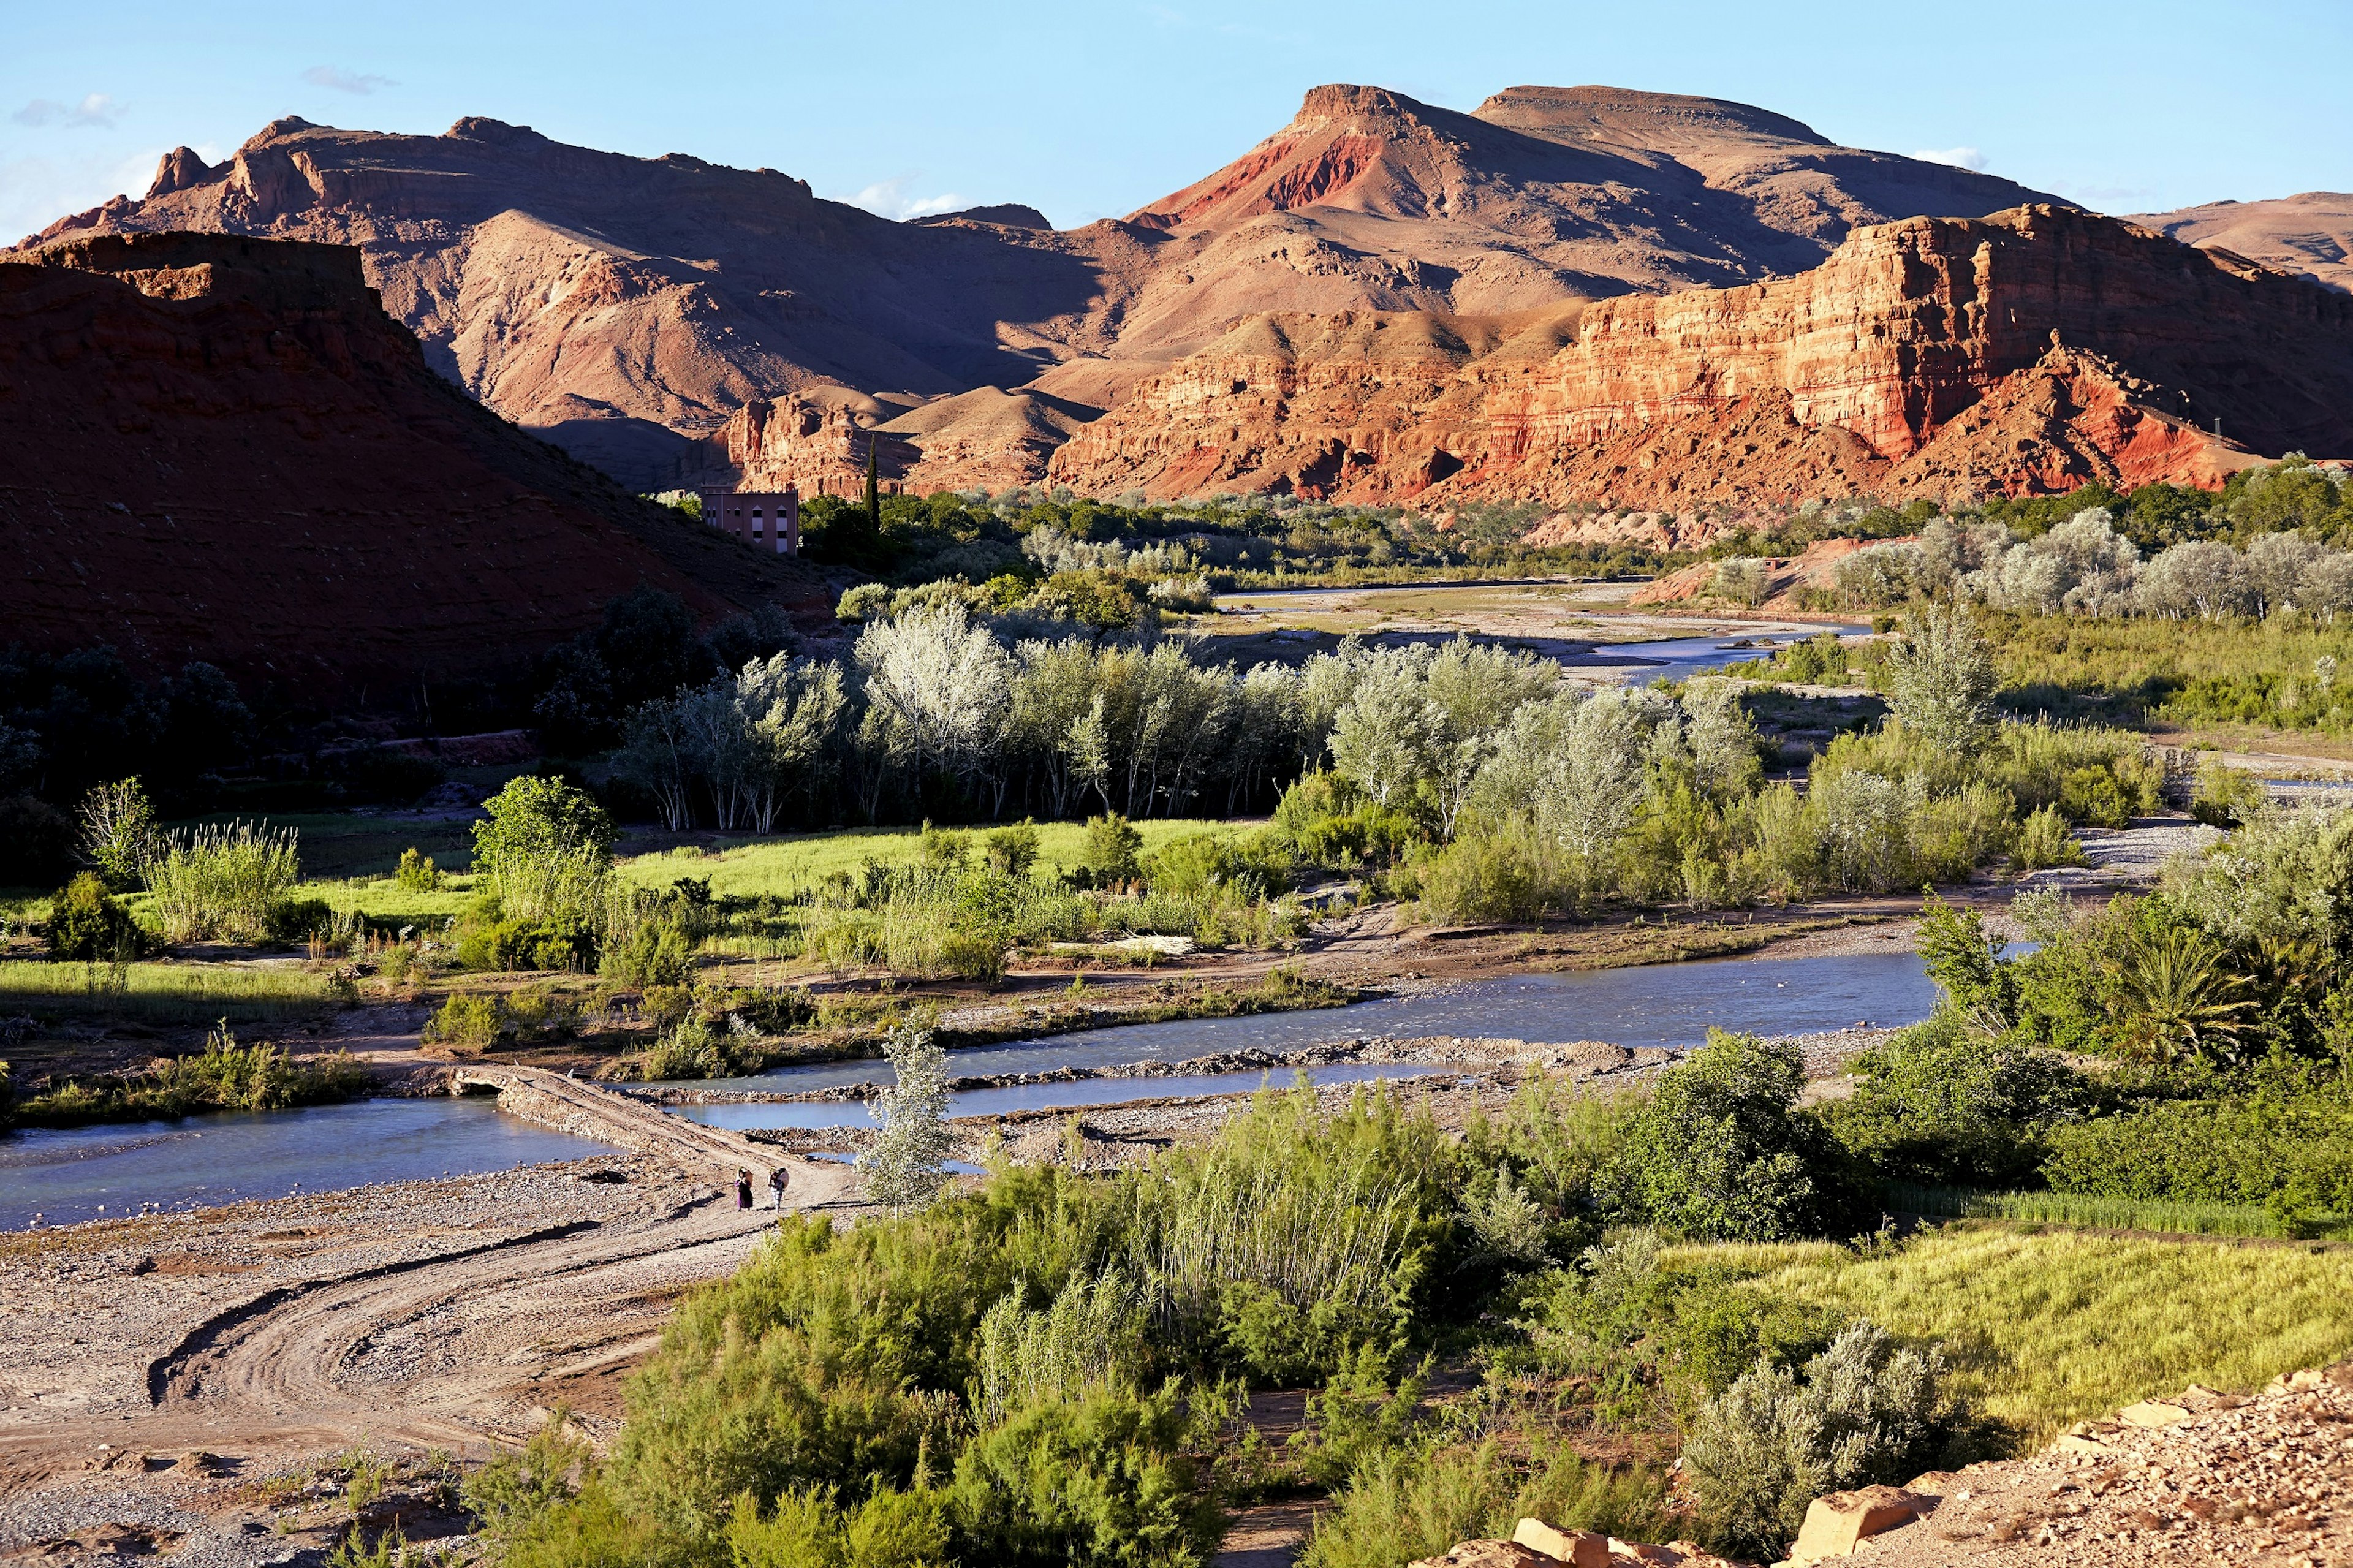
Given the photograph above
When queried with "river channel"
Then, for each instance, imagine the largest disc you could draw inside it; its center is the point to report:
(65, 1174)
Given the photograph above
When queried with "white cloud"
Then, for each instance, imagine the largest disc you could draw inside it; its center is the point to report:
(889, 198)
(96, 111)
(1958, 157)
(36, 192)
(341, 80)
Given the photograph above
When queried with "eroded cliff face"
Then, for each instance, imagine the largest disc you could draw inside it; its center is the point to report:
(2032, 351)
(221, 448)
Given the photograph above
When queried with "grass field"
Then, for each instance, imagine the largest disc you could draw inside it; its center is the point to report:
(2085, 1210)
(165, 994)
(785, 864)
(2047, 1328)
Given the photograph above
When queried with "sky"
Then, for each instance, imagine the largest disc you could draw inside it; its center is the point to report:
(1092, 110)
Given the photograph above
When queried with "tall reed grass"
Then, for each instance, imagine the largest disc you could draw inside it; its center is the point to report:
(222, 882)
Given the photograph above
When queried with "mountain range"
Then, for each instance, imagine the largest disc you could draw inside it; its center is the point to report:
(670, 318)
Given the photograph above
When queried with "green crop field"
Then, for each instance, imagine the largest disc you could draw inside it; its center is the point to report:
(787, 864)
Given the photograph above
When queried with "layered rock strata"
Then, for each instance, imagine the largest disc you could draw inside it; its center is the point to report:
(2032, 351)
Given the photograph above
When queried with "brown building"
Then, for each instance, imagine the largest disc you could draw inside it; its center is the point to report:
(765, 519)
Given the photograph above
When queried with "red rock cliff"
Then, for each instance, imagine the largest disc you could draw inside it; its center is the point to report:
(2030, 350)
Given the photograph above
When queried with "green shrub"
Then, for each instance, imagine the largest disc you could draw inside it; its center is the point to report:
(86, 923)
(656, 953)
(1488, 876)
(1418, 1500)
(810, 1530)
(2293, 1157)
(2090, 796)
(225, 1076)
(1108, 855)
(467, 1021)
(504, 946)
(417, 872)
(1761, 1451)
(1719, 1151)
(118, 835)
(297, 920)
(2225, 797)
(2042, 841)
(1939, 1108)
(1011, 851)
(1101, 1482)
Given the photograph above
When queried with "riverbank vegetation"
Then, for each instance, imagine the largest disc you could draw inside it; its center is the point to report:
(1535, 1317)
(224, 1076)
(2168, 607)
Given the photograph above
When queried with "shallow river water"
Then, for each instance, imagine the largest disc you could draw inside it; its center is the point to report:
(65, 1175)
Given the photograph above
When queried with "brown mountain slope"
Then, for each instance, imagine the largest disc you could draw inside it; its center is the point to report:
(625, 306)
(2030, 350)
(222, 449)
(2310, 236)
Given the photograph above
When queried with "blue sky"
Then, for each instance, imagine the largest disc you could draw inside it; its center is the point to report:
(1090, 111)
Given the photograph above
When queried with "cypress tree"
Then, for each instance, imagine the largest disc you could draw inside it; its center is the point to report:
(873, 492)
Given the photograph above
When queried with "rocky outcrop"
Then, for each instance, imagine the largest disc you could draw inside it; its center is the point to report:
(2029, 351)
(222, 449)
(627, 307)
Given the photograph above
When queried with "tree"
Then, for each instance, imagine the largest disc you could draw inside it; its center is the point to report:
(545, 846)
(1386, 738)
(939, 692)
(1943, 680)
(873, 487)
(119, 835)
(904, 1166)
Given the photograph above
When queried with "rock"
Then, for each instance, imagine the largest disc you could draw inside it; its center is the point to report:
(2154, 1412)
(1581, 1548)
(1487, 1555)
(148, 373)
(1837, 1523)
(1926, 357)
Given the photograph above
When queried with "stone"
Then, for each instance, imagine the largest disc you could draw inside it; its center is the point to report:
(1580, 1547)
(1487, 1554)
(2155, 1413)
(1837, 1523)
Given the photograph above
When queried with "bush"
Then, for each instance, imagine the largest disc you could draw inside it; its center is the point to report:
(810, 1530)
(2090, 796)
(467, 1022)
(1011, 851)
(1108, 855)
(656, 953)
(2042, 841)
(293, 921)
(1105, 1481)
(1489, 876)
(2225, 797)
(417, 872)
(1418, 1500)
(500, 945)
(1719, 1153)
(1936, 1107)
(1761, 1451)
(86, 923)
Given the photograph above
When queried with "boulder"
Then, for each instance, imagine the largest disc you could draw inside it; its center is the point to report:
(1487, 1555)
(2154, 1412)
(1579, 1548)
(1838, 1522)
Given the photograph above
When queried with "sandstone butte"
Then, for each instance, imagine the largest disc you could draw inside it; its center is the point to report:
(627, 307)
(2030, 350)
(222, 449)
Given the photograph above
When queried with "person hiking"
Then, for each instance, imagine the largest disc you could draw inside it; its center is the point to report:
(743, 1188)
(777, 1189)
